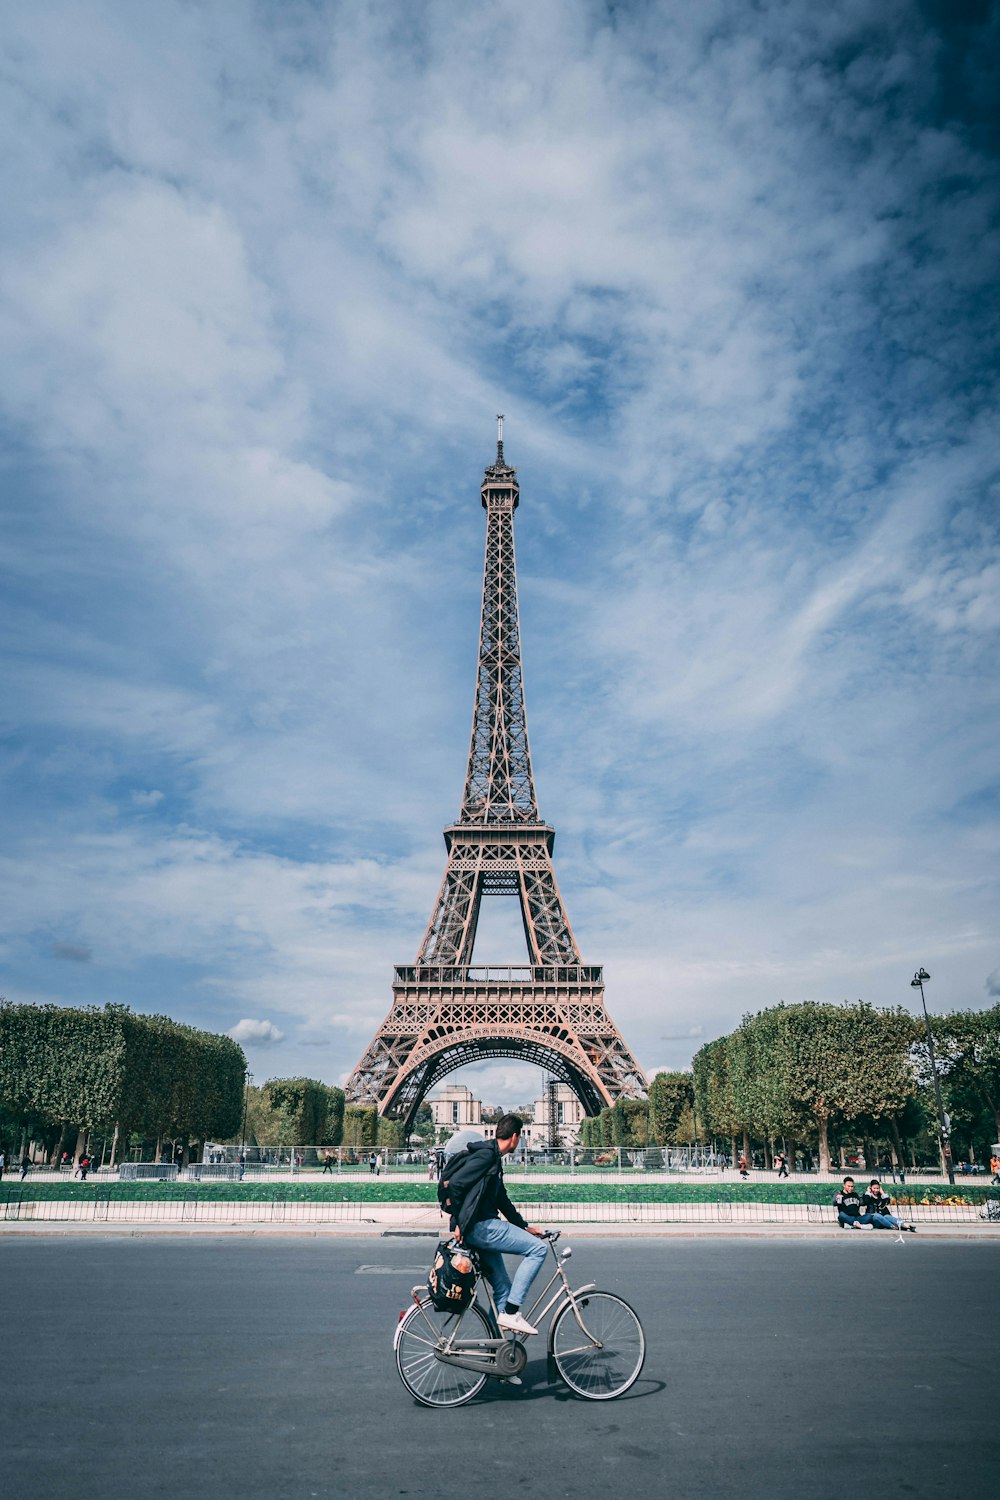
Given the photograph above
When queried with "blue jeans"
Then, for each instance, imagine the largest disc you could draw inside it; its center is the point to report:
(884, 1221)
(857, 1219)
(495, 1237)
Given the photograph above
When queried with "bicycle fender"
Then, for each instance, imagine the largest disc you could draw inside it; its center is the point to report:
(579, 1291)
(399, 1328)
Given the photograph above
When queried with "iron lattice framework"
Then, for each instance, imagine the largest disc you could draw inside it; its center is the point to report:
(446, 1012)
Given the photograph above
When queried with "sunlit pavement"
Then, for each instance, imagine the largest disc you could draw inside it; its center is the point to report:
(256, 1367)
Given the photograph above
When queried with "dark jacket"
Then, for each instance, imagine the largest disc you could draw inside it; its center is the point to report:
(880, 1205)
(473, 1187)
(849, 1204)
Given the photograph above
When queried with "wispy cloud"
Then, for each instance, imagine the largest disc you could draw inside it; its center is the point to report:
(731, 274)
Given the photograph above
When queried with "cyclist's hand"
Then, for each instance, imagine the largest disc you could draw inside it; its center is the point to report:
(534, 1229)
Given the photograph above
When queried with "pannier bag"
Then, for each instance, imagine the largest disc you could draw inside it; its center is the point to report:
(452, 1278)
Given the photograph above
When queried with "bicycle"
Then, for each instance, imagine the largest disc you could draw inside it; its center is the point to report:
(595, 1341)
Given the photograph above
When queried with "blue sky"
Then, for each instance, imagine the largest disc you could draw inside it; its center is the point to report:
(270, 271)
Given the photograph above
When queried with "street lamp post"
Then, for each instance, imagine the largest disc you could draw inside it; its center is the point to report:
(944, 1133)
(246, 1100)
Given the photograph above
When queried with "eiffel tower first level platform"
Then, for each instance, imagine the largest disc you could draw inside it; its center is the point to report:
(447, 1012)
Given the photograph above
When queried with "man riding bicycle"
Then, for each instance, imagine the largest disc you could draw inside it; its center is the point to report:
(476, 1197)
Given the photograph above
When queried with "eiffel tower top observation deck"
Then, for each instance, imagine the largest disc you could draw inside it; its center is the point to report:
(446, 1012)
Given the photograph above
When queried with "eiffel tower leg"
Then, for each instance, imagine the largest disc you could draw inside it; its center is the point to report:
(451, 932)
(546, 926)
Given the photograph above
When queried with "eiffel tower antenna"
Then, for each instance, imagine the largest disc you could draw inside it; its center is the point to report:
(445, 1011)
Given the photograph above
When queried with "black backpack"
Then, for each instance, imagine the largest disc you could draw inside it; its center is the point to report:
(449, 1288)
(444, 1198)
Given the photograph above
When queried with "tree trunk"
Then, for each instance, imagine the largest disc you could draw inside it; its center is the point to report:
(115, 1143)
(746, 1146)
(81, 1146)
(768, 1158)
(61, 1146)
(824, 1144)
(159, 1150)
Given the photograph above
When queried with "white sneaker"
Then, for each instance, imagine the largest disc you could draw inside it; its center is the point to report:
(515, 1323)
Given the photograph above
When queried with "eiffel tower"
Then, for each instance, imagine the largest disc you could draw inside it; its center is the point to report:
(445, 1012)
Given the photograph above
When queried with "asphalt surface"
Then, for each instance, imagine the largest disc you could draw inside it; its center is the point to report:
(262, 1370)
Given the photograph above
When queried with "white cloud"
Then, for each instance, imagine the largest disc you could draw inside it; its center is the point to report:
(739, 315)
(261, 1032)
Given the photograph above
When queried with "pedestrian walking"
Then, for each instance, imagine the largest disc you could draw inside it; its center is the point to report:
(82, 1166)
(327, 1164)
(995, 1169)
(371, 1163)
(781, 1162)
(25, 1165)
(378, 1165)
(744, 1170)
(3, 1162)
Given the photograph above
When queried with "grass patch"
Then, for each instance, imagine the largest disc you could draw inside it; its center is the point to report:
(521, 1192)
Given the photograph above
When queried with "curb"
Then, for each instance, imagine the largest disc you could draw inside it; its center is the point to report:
(820, 1233)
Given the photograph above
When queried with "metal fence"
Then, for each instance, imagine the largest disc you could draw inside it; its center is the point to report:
(739, 1211)
(104, 1208)
(101, 1209)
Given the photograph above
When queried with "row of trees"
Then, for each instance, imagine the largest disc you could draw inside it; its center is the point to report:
(294, 1112)
(65, 1072)
(799, 1072)
(794, 1071)
(664, 1118)
(809, 1074)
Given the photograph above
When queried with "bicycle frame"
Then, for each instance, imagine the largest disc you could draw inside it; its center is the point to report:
(480, 1354)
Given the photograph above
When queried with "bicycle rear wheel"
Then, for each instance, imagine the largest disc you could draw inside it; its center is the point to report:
(604, 1361)
(428, 1379)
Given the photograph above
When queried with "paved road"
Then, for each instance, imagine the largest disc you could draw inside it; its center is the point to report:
(261, 1370)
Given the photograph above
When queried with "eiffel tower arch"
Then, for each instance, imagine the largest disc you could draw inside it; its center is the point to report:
(447, 1012)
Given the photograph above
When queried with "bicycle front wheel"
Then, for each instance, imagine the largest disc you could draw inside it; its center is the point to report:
(419, 1336)
(603, 1358)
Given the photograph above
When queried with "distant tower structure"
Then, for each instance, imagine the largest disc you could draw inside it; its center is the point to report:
(552, 1113)
(445, 1012)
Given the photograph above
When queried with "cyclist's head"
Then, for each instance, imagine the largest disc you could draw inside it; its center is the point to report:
(508, 1133)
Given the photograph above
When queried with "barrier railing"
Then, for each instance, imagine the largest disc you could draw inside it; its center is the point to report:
(105, 1209)
(740, 1211)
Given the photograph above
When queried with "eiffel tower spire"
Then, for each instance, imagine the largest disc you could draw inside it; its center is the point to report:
(445, 1012)
(499, 786)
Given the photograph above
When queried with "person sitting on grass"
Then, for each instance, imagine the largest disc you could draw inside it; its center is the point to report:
(849, 1209)
(877, 1204)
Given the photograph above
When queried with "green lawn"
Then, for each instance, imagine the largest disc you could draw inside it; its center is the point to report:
(521, 1192)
